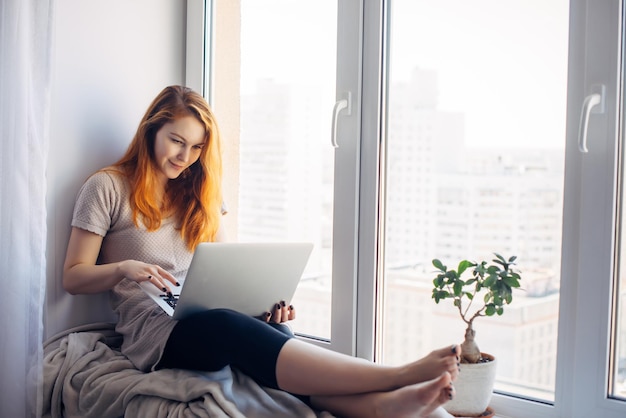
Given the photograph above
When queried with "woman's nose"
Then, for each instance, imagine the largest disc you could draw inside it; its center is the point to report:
(183, 155)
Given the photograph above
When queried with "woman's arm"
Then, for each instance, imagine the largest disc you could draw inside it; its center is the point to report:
(82, 275)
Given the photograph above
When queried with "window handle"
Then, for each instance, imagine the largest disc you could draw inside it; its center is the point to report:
(339, 106)
(594, 99)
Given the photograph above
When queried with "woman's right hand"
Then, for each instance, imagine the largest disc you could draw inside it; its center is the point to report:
(143, 272)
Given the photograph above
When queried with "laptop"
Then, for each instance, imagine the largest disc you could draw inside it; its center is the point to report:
(246, 277)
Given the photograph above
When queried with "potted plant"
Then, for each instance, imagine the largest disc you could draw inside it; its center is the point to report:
(485, 292)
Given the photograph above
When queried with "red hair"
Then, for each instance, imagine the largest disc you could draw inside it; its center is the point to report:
(195, 197)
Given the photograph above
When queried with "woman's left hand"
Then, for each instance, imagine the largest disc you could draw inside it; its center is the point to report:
(281, 313)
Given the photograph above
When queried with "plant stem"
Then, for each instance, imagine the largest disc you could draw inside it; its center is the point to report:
(469, 305)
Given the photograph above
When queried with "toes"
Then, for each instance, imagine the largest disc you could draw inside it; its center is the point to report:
(456, 350)
(449, 351)
(449, 392)
(447, 388)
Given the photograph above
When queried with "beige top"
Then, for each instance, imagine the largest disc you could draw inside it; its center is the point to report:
(103, 207)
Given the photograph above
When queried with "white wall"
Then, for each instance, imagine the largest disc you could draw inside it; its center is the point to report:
(110, 59)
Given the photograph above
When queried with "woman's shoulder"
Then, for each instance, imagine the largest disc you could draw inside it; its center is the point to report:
(107, 177)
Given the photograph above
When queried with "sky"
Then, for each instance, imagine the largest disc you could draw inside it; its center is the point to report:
(503, 63)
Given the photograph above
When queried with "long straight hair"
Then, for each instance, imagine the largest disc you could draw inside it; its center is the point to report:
(194, 197)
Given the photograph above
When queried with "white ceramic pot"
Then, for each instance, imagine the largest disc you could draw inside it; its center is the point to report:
(473, 388)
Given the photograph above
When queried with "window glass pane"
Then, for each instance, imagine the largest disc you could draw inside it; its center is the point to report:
(287, 94)
(475, 160)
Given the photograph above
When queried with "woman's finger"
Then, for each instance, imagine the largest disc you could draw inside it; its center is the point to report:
(165, 275)
(292, 313)
(277, 314)
(284, 312)
(159, 283)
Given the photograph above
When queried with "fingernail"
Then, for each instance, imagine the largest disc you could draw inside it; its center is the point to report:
(169, 295)
(454, 349)
(277, 306)
(282, 303)
(164, 289)
(149, 277)
(291, 307)
(177, 284)
(267, 314)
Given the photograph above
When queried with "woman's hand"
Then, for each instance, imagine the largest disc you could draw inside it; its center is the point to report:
(280, 313)
(143, 272)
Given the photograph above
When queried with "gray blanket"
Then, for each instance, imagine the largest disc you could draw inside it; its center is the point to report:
(86, 376)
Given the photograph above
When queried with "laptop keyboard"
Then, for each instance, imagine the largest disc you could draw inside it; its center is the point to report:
(170, 300)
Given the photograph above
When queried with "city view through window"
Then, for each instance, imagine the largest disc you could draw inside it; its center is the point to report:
(475, 165)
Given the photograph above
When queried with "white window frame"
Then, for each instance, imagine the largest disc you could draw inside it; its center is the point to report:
(589, 198)
(201, 15)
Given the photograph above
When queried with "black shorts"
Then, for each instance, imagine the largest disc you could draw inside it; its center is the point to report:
(215, 338)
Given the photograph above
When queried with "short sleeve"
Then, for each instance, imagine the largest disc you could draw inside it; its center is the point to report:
(97, 204)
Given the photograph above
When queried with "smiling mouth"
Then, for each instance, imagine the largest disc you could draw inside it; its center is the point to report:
(176, 166)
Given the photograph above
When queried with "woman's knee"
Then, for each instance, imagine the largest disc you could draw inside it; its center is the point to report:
(284, 328)
(215, 319)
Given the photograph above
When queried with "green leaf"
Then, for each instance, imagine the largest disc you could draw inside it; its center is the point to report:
(439, 265)
(490, 310)
(480, 269)
(438, 282)
(458, 287)
(500, 311)
(493, 270)
(512, 259)
(511, 281)
(463, 265)
(489, 281)
(469, 295)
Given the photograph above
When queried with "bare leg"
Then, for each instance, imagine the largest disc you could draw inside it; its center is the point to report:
(306, 369)
(421, 400)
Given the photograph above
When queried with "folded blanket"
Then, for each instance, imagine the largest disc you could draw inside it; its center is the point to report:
(86, 376)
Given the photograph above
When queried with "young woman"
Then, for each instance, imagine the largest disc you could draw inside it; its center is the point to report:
(140, 220)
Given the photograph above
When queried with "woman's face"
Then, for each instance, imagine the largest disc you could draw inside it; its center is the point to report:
(178, 145)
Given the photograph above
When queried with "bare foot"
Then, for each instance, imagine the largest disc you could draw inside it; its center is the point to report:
(418, 400)
(433, 365)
